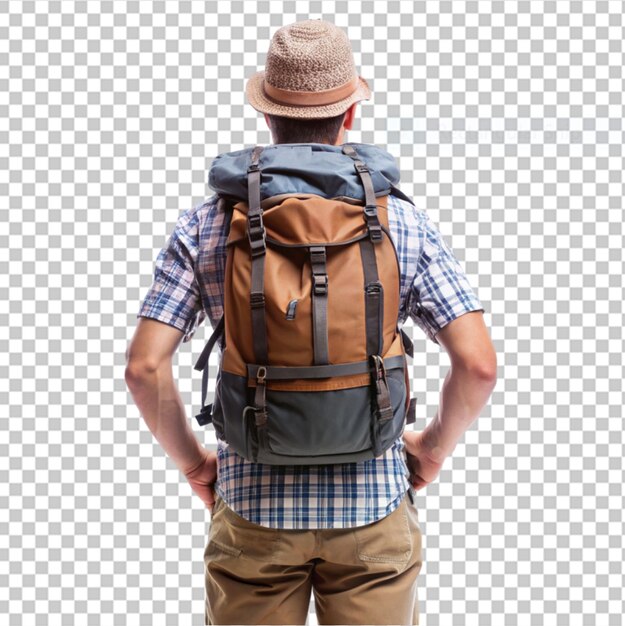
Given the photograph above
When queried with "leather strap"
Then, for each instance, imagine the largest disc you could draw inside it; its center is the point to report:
(260, 413)
(204, 356)
(400, 194)
(204, 416)
(258, 249)
(280, 372)
(319, 304)
(374, 298)
(256, 237)
(411, 413)
(408, 345)
(383, 394)
(371, 208)
(375, 294)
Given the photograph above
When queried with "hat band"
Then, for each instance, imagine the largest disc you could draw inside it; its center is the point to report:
(310, 98)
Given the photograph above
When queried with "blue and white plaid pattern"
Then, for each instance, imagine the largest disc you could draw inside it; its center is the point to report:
(188, 287)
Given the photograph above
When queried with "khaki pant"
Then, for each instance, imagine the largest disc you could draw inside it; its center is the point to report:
(362, 575)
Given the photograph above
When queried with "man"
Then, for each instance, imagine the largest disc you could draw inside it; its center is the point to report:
(347, 532)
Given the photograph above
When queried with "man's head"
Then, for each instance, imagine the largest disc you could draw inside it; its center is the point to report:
(324, 130)
(309, 89)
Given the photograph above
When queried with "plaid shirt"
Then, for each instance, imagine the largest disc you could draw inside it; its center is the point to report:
(434, 291)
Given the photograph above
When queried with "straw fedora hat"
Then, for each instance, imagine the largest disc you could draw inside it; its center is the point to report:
(309, 74)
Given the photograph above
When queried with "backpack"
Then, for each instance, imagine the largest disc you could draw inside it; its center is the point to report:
(312, 366)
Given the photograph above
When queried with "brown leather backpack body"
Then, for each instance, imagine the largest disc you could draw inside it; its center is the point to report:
(314, 365)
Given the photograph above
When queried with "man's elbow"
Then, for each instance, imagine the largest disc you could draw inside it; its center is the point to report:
(484, 369)
(138, 372)
(481, 368)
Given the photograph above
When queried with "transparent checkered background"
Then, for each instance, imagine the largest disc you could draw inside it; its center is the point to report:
(506, 119)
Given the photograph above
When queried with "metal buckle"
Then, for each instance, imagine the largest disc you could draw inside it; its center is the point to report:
(261, 374)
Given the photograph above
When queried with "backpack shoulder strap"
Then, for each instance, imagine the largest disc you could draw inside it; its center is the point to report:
(204, 416)
(400, 194)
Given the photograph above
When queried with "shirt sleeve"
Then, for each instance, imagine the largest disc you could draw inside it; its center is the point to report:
(440, 291)
(174, 296)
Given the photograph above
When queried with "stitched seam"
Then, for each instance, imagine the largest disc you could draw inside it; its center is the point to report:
(390, 558)
(225, 548)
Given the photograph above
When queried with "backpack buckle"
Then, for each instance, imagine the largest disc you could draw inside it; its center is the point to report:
(256, 234)
(255, 221)
(258, 246)
(205, 415)
(374, 288)
(318, 254)
(260, 406)
(257, 299)
(379, 367)
(373, 224)
(375, 233)
(383, 397)
(320, 284)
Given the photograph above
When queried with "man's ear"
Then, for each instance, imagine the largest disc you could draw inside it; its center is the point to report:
(350, 114)
(267, 120)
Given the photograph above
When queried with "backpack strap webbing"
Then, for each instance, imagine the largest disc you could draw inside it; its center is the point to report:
(256, 236)
(319, 304)
(374, 298)
(282, 372)
(408, 345)
(400, 194)
(374, 291)
(370, 209)
(204, 416)
(258, 250)
(411, 415)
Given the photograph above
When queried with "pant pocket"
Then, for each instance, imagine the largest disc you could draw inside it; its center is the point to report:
(238, 537)
(389, 540)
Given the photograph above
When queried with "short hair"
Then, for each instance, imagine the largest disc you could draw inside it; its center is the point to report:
(298, 130)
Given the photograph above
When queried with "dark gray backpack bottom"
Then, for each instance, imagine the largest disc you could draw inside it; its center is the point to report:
(304, 428)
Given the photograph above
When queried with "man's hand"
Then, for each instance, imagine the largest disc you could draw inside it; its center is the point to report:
(423, 469)
(202, 479)
(466, 389)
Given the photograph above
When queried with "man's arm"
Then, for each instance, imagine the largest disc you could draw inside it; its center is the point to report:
(149, 376)
(465, 391)
(467, 386)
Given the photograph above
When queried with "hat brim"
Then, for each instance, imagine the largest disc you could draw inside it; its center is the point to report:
(257, 98)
